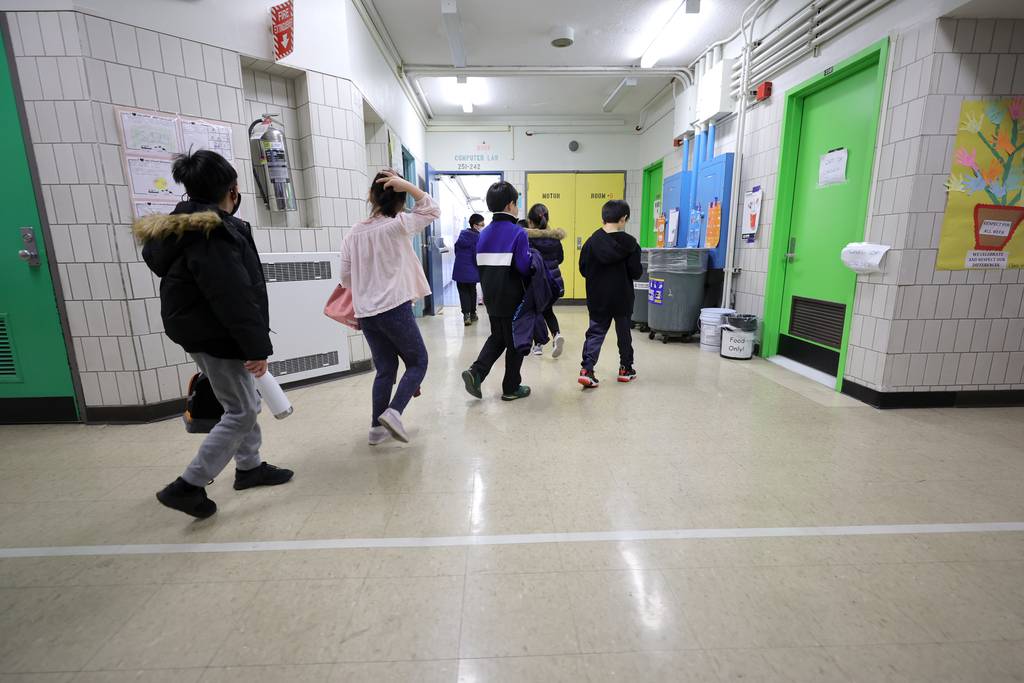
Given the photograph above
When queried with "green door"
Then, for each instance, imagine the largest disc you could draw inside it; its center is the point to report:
(35, 379)
(652, 203)
(829, 204)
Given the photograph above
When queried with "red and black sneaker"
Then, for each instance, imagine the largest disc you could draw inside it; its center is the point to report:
(588, 379)
(627, 374)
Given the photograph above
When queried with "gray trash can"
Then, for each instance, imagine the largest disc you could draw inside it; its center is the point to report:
(675, 291)
(640, 291)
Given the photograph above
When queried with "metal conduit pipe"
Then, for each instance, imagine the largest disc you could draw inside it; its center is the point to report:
(792, 35)
(432, 70)
(870, 8)
(840, 16)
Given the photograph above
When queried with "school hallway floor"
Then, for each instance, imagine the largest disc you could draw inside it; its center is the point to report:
(530, 581)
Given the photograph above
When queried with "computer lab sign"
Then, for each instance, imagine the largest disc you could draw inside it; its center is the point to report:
(282, 26)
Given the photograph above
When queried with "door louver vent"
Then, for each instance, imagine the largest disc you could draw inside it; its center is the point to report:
(817, 321)
(280, 368)
(299, 271)
(8, 368)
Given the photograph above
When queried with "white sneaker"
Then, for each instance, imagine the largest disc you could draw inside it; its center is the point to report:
(559, 344)
(538, 350)
(378, 435)
(392, 421)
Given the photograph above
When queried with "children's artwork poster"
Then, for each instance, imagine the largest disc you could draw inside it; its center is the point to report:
(152, 178)
(985, 202)
(149, 142)
(714, 231)
(752, 212)
(656, 291)
(149, 132)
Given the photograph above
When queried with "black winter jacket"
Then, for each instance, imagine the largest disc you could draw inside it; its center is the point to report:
(549, 243)
(610, 261)
(213, 297)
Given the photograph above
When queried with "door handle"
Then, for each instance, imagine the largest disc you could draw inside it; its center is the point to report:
(30, 254)
(791, 254)
(579, 242)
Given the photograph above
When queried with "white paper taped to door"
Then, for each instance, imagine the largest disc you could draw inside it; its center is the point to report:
(864, 257)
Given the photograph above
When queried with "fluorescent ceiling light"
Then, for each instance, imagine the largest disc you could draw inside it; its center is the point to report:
(617, 94)
(453, 27)
(465, 92)
(667, 33)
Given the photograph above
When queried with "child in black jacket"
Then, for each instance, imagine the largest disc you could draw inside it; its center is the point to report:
(610, 262)
(213, 301)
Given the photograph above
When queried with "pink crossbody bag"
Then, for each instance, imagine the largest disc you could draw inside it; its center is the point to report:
(339, 307)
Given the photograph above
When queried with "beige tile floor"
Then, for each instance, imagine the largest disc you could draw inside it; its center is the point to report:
(698, 442)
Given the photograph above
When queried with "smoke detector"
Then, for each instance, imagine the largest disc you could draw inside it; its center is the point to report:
(563, 36)
(574, 146)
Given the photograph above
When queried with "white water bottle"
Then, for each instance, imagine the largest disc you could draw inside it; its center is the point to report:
(274, 396)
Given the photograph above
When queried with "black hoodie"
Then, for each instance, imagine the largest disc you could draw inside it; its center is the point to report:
(610, 261)
(213, 297)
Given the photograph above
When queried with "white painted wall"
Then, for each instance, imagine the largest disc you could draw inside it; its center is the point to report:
(330, 37)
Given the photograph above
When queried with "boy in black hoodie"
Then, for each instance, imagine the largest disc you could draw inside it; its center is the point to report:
(610, 262)
(213, 301)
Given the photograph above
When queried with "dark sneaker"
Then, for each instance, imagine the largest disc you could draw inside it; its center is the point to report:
(588, 379)
(627, 373)
(264, 475)
(467, 320)
(472, 383)
(184, 497)
(473, 317)
(522, 391)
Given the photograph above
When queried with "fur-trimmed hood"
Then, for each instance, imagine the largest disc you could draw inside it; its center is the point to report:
(548, 233)
(160, 226)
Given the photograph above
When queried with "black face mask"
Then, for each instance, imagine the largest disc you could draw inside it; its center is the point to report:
(238, 203)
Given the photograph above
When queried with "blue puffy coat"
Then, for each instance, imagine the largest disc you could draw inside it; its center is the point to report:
(528, 324)
(465, 269)
(549, 243)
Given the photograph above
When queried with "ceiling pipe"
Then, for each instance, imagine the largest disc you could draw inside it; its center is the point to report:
(681, 74)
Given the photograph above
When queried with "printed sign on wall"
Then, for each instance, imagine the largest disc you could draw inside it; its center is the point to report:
(985, 204)
(282, 25)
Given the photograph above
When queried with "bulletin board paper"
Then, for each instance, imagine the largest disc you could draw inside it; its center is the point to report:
(985, 203)
(197, 134)
(152, 208)
(149, 132)
(151, 178)
(752, 215)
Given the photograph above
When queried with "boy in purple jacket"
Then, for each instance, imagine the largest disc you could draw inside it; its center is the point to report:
(464, 273)
(503, 259)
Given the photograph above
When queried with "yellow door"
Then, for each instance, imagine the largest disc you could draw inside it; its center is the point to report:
(557, 191)
(592, 191)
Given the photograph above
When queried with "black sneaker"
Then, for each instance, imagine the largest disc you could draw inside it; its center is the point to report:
(627, 373)
(473, 317)
(472, 383)
(588, 379)
(264, 475)
(184, 497)
(467, 320)
(522, 391)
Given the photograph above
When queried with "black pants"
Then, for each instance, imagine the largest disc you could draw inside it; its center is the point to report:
(467, 296)
(551, 320)
(595, 338)
(498, 343)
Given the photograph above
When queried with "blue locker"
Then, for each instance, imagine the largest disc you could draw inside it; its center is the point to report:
(675, 194)
(714, 184)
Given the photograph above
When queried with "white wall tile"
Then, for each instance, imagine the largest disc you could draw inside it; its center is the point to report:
(193, 60)
(119, 78)
(232, 69)
(171, 56)
(209, 100)
(101, 38)
(228, 99)
(213, 61)
(997, 335)
(997, 374)
(126, 46)
(145, 89)
(166, 92)
(188, 97)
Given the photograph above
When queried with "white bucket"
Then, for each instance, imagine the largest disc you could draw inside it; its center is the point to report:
(711, 327)
(737, 343)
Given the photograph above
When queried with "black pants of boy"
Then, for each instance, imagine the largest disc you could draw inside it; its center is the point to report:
(595, 338)
(500, 342)
(551, 319)
(467, 297)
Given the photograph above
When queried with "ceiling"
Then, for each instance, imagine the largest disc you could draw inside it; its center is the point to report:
(518, 33)
(990, 9)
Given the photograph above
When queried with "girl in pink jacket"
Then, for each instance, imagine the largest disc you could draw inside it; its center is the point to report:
(381, 269)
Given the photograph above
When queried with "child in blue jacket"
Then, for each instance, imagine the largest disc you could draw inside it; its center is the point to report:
(465, 274)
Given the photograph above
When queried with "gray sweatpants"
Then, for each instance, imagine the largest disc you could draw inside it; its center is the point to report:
(237, 435)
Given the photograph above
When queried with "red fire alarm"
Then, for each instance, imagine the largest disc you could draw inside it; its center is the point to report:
(764, 91)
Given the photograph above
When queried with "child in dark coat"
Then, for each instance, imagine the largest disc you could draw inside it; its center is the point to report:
(465, 274)
(548, 241)
(610, 262)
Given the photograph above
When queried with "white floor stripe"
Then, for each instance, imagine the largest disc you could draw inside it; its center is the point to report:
(511, 539)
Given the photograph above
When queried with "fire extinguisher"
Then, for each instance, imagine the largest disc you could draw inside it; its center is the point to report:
(270, 164)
